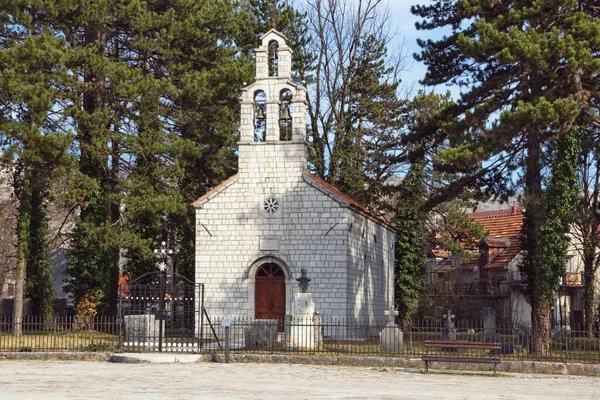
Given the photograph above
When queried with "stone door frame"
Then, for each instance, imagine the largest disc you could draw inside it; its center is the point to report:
(251, 279)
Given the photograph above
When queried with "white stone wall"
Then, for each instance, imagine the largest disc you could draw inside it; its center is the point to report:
(349, 256)
(370, 268)
(311, 231)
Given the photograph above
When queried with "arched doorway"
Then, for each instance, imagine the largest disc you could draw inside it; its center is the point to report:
(269, 293)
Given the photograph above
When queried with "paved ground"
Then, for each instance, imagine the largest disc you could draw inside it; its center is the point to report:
(103, 380)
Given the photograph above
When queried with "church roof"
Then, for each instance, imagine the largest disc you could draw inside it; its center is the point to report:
(275, 31)
(215, 191)
(321, 185)
(353, 204)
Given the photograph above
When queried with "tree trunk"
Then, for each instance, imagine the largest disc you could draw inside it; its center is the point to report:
(22, 186)
(588, 299)
(18, 301)
(540, 311)
(115, 215)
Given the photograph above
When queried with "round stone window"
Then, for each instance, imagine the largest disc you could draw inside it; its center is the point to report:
(271, 206)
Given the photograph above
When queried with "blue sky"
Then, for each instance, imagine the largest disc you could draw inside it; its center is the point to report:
(404, 22)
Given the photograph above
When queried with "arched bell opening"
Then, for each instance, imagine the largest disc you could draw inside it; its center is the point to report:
(285, 115)
(273, 58)
(260, 116)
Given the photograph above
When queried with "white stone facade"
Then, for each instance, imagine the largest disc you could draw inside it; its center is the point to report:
(348, 251)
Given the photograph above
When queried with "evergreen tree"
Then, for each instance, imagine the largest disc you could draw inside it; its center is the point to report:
(587, 222)
(410, 240)
(544, 269)
(353, 103)
(32, 77)
(369, 150)
(101, 91)
(529, 70)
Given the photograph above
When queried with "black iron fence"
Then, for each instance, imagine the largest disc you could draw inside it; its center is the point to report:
(65, 333)
(319, 336)
(378, 338)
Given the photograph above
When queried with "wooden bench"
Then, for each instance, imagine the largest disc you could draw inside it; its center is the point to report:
(461, 358)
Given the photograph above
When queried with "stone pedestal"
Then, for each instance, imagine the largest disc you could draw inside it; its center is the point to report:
(391, 339)
(261, 334)
(142, 328)
(305, 327)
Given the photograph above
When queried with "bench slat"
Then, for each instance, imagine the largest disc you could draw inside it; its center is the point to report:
(462, 360)
(462, 344)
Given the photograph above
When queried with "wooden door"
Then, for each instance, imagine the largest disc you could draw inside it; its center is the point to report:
(269, 293)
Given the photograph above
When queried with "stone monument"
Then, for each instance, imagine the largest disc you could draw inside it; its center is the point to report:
(142, 329)
(488, 317)
(391, 338)
(305, 329)
(261, 334)
(449, 331)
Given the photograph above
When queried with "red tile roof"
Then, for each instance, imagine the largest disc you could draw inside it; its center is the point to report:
(351, 203)
(504, 230)
(500, 225)
(322, 183)
(215, 189)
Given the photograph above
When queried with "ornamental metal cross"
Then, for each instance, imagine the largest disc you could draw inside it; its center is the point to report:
(391, 313)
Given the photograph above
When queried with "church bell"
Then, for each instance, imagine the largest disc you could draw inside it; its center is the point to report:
(285, 113)
(260, 114)
(272, 53)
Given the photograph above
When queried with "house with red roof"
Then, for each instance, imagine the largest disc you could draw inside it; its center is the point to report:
(255, 230)
(489, 275)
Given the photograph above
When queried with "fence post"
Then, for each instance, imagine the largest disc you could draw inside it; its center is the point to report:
(226, 323)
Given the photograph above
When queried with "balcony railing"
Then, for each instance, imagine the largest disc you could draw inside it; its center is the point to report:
(478, 287)
(572, 279)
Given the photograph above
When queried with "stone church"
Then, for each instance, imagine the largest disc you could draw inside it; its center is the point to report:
(256, 229)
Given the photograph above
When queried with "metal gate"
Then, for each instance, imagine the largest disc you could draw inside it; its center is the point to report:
(158, 314)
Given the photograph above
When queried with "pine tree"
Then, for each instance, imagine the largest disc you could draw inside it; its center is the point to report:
(369, 150)
(587, 222)
(32, 77)
(100, 94)
(353, 103)
(529, 73)
(544, 269)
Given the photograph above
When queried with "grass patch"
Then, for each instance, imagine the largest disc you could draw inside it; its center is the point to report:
(59, 341)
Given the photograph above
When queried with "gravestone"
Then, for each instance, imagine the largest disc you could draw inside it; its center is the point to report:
(261, 334)
(488, 316)
(142, 328)
(391, 338)
(449, 332)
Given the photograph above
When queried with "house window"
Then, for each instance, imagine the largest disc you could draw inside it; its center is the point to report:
(570, 264)
(456, 260)
(431, 263)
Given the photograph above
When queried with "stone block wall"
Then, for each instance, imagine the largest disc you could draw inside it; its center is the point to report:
(311, 230)
(370, 268)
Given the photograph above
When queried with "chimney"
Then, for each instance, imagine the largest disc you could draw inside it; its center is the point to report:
(484, 255)
(515, 209)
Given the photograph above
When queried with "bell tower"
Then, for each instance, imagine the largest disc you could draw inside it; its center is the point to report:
(273, 115)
